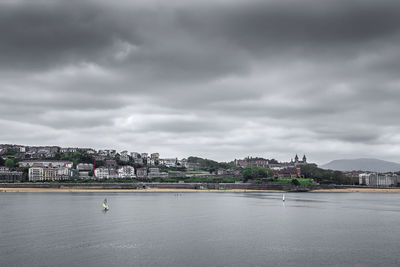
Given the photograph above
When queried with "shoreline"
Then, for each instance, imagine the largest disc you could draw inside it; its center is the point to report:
(177, 190)
(149, 190)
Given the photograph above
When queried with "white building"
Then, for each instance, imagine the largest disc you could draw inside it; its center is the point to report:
(35, 174)
(155, 155)
(153, 161)
(126, 172)
(105, 173)
(375, 179)
(169, 162)
(124, 156)
(84, 167)
(64, 173)
(68, 149)
(102, 173)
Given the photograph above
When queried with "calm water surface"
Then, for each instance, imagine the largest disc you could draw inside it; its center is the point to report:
(199, 229)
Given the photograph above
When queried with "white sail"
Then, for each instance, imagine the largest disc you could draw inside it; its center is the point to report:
(105, 205)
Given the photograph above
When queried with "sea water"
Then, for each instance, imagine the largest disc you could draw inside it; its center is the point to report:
(199, 229)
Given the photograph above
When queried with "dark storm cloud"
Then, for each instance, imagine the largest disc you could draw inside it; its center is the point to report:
(222, 79)
(308, 22)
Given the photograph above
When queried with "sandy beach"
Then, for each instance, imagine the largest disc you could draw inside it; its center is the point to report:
(357, 190)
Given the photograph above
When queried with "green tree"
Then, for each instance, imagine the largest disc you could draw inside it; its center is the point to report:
(295, 182)
(24, 169)
(273, 161)
(253, 172)
(10, 163)
(210, 165)
(324, 176)
(57, 156)
(100, 163)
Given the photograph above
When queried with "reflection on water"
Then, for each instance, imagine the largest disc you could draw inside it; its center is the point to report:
(199, 229)
(104, 211)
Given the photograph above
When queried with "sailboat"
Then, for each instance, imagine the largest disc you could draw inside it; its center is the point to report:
(283, 197)
(105, 205)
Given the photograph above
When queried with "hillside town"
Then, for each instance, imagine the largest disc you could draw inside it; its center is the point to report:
(53, 163)
(50, 163)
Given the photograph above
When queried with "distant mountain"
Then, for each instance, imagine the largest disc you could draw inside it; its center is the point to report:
(373, 165)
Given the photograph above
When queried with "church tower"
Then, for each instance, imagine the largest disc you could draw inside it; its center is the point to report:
(304, 159)
(296, 159)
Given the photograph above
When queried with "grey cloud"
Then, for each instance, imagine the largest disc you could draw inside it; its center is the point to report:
(302, 24)
(220, 79)
(179, 126)
(50, 35)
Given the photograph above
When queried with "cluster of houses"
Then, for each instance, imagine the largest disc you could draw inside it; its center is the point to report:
(50, 170)
(41, 170)
(108, 163)
(41, 152)
(33, 152)
(42, 165)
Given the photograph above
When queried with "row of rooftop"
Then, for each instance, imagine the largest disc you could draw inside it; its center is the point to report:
(147, 159)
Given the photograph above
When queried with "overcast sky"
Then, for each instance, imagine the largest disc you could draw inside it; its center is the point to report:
(221, 79)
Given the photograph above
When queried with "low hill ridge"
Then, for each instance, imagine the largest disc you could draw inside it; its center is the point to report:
(362, 164)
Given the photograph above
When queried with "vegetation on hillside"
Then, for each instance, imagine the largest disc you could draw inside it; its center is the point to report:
(76, 157)
(210, 165)
(324, 176)
(10, 163)
(253, 172)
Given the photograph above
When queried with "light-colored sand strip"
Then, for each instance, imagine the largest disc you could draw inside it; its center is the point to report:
(151, 190)
(358, 190)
